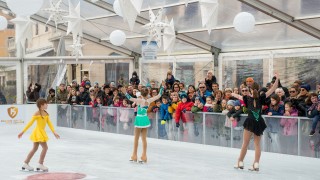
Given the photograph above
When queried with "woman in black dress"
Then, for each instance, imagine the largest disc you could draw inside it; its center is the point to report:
(254, 124)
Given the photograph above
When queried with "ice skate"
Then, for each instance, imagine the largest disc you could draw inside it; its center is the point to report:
(27, 167)
(41, 167)
(143, 160)
(255, 167)
(239, 165)
(132, 159)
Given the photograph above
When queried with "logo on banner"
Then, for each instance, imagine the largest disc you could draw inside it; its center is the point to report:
(12, 112)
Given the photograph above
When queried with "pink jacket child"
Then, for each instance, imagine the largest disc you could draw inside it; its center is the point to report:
(124, 113)
(289, 125)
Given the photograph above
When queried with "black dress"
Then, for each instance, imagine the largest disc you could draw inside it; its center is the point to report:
(254, 122)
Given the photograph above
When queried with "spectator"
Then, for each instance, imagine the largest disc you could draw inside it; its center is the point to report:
(33, 92)
(289, 124)
(51, 99)
(74, 99)
(170, 79)
(83, 95)
(182, 108)
(74, 85)
(62, 94)
(209, 80)
(313, 112)
(84, 81)
(135, 79)
(203, 93)
(3, 99)
(276, 108)
(215, 87)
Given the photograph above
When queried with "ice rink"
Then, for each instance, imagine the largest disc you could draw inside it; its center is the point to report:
(100, 155)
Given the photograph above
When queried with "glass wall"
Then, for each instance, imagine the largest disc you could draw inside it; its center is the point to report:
(189, 69)
(305, 69)
(8, 84)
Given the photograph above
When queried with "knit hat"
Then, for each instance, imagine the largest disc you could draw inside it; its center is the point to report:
(197, 98)
(88, 83)
(91, 89)
(306, 87)
(148, 85)
(183, 95)
(230, 102)
(74, 81)
(96, 83)
(237, 103)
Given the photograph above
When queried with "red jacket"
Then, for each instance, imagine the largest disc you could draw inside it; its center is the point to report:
(187, 106)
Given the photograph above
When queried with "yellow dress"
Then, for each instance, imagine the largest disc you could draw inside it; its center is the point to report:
(39, 134)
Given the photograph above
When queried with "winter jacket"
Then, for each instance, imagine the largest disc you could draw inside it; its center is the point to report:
(313, 110)
(180, 111)
(290, 126)
(279, 112)
(62, 96)
(210, 82)
(51, 99)
(197, 116)
(170, 81)
(205, 95)
(164, 112)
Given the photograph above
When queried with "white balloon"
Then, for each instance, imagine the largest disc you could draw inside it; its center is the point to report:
(117, 37)
(116, 8)
(24, 7)
(3, 23)
(244, 22)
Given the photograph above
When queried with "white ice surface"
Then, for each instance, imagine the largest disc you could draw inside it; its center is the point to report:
(105, 156)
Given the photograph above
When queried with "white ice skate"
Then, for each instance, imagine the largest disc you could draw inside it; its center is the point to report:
(255, 167)
(27, 167)
(41, 167)
(239, 165)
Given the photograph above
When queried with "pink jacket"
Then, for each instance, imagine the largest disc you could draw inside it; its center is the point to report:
(290, 125)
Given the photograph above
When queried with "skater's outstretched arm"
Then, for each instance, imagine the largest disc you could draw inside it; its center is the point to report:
(27, 126)
(52, 128)
(274, 87)
(150, 100)
(124, 91)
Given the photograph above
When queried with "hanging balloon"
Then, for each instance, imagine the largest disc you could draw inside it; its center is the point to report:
(116, 8)
(3, 23)
(117, 37)
(25, 7)
(244, 22)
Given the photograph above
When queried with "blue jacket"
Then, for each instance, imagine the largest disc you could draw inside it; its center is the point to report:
(205, 95)
(164, 113)
(280, 111)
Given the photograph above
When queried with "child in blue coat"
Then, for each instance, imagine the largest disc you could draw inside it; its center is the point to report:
(165, 117)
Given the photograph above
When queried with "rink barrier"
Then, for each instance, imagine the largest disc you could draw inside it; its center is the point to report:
(201, 128)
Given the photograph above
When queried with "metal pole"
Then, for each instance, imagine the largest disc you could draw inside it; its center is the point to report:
(204, 128)
(118, 121)
(299, 137)
(231, 131)
(100, 117)
(85, 117)
(157, 136)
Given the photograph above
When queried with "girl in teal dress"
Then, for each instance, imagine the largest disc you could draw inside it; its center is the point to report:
(142, 121)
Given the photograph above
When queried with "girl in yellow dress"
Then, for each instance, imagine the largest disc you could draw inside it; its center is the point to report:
(39, 135)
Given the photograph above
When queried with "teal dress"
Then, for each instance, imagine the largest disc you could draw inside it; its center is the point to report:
(142, 120)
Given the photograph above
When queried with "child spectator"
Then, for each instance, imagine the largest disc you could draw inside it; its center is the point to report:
(182, 108)
(289, 124)
(276, 108)
(125, 113)
(165, 117)
(313, 112)
(197, 107)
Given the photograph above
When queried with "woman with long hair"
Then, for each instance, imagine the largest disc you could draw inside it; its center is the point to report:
(254, 125)
(142, 121)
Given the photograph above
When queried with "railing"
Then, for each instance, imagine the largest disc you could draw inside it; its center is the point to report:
(286, 135)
